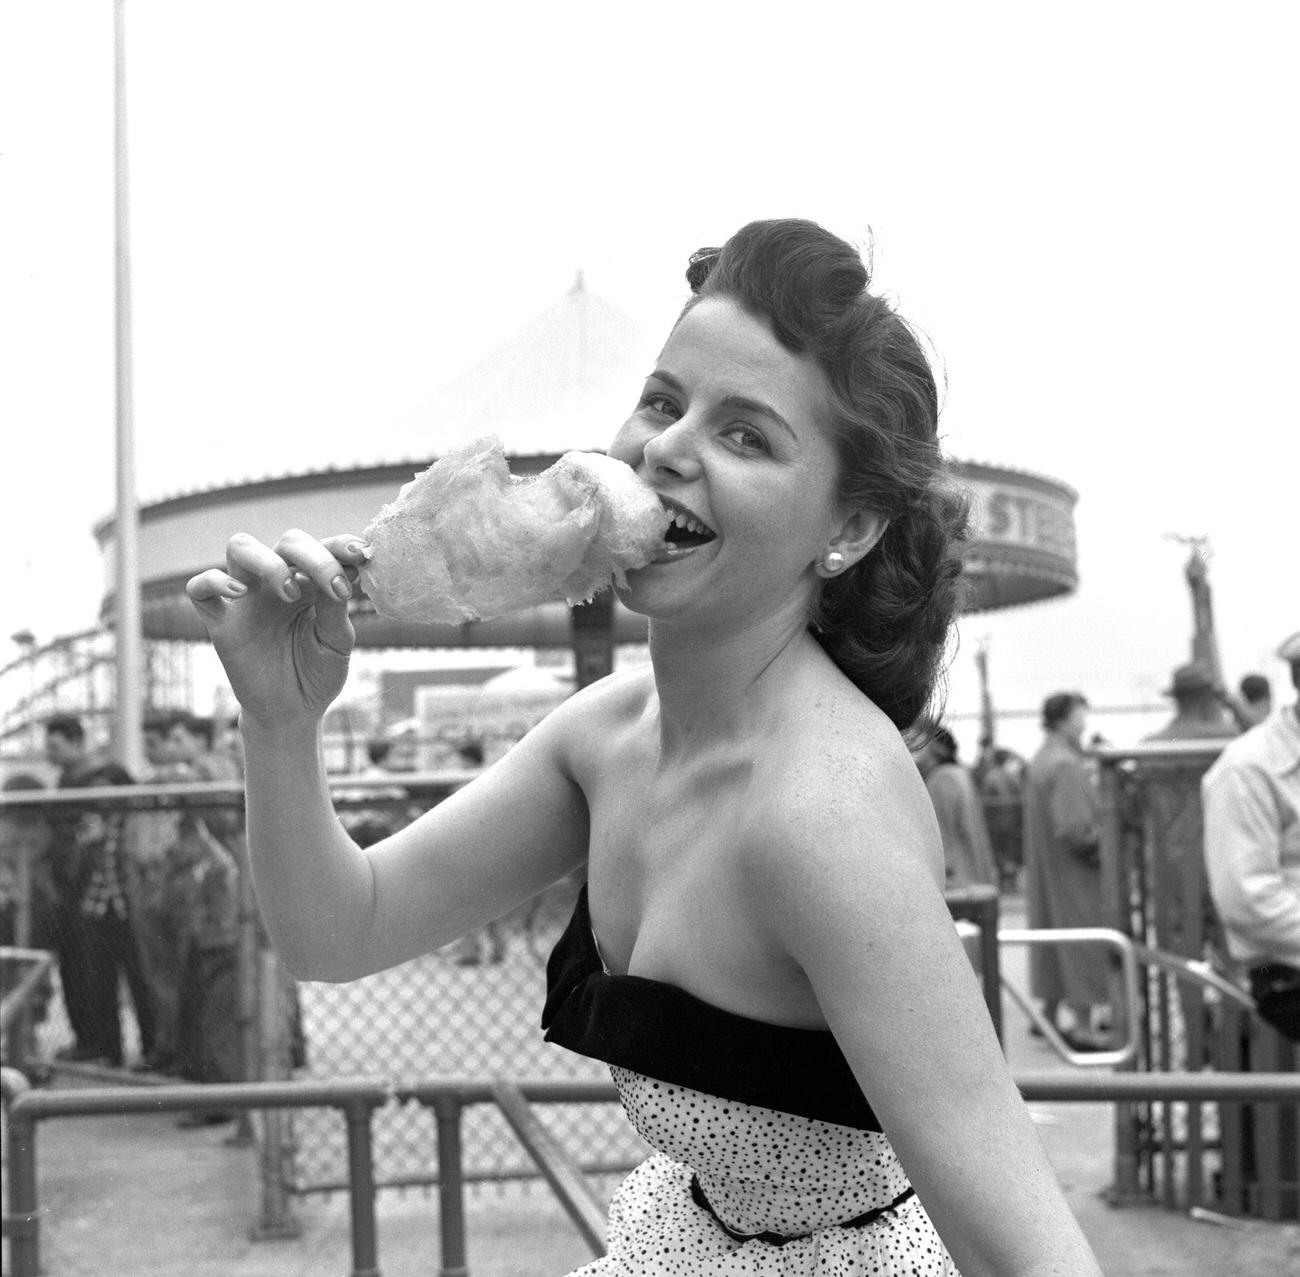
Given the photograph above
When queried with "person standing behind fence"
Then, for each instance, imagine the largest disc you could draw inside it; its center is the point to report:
(28, 896)
(162, 899)
(1251, 802)
(967, 851)
(210, 1049)
(1254, 701)
(97, 941)
(1199, 707)
(1063, 871)
(1001, 789)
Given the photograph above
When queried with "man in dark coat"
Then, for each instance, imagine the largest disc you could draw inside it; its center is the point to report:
(96, 940)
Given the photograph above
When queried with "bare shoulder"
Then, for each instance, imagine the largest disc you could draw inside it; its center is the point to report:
(591, 721)
(845, 779)
(844, 814)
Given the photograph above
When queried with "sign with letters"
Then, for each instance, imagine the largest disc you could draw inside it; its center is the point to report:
(1022, 548)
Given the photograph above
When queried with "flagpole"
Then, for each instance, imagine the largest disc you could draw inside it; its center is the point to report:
(127, 733)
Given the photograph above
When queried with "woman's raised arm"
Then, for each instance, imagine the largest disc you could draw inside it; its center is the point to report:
(278, 620)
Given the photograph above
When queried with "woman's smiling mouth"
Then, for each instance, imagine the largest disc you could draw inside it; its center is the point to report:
(685, 532)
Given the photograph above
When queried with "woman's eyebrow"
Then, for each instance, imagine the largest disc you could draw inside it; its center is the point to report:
(667, 378)
(757, 406)
(740, 402)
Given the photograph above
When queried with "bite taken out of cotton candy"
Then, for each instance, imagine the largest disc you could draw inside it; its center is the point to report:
(466, 541)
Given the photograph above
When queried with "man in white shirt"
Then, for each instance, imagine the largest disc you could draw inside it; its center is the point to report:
(1251, 798)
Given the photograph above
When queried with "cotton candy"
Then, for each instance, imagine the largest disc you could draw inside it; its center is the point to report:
(466, 541)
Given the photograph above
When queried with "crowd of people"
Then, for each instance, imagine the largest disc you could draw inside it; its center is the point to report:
(1035, 825)
(142, 902)
(147, 904)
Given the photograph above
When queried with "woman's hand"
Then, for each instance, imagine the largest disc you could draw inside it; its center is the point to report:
(278, 619)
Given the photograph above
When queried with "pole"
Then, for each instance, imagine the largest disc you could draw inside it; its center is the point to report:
(23, 1218)
(988, 724)
(277, 1219)
(361, 1189)
(592, 627)
(127, 734)
(451, 1186)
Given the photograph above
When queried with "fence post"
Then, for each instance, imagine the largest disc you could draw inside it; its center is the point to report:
(276, 1219)
(247, 979)
(23, 1220)
(978, 904)
(451, 1186)
(1125, 1188)
(361, 1189)
(247, 974)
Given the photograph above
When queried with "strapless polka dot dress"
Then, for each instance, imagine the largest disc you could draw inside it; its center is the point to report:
(769, 1158)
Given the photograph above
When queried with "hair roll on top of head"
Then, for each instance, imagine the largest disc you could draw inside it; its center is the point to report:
(886, 621)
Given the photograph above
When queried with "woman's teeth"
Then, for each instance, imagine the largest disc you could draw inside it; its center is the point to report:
(688, 524)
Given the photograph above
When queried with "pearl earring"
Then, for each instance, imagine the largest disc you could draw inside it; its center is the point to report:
(833, 562)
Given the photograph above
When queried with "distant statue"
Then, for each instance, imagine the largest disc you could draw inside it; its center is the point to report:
(1205, 644)
(1201, 703)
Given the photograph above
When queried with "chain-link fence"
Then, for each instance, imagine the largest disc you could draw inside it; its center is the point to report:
(212, 1004)
(139, 893)
(469, 1010)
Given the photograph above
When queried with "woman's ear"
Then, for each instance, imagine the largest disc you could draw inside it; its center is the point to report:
(853, 540)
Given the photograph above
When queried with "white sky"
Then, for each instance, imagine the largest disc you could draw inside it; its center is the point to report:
(337, 208)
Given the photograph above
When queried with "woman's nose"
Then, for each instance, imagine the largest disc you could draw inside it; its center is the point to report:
(672, 452)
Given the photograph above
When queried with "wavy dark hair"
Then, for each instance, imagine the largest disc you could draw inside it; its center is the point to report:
(886, 621)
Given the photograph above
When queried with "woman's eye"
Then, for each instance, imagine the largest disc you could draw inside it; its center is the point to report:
(661, 404)
(746, 437)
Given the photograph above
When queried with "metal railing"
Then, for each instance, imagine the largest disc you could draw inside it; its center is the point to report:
(26, 977)
(1124, 1054)
(570, 1186)
(979, 906)
(357, 1099)
(449, 1098)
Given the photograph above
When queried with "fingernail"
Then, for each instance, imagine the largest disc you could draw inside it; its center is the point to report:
(341, 587)
(359, 548)
(236, 587)
(292, 590)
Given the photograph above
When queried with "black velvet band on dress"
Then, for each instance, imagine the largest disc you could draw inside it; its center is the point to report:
(663, 1032)
(780, 1239)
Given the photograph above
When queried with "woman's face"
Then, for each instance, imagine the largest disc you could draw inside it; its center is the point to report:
(730, 431)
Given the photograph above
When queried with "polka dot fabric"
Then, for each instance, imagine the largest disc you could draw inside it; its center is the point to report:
(761, 1171)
